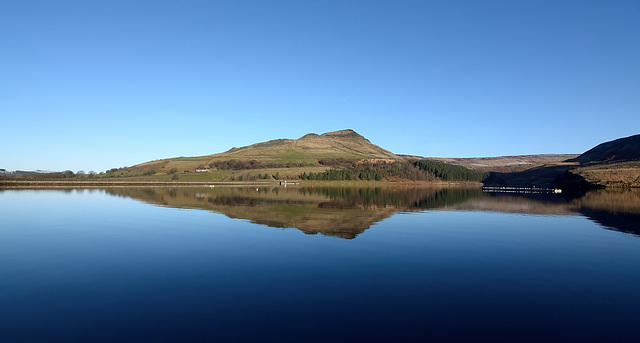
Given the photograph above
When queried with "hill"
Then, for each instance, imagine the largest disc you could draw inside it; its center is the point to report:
(279, 153)
(610, 164)
(622, 149)
(346, 144)
(507, 164)
(612, 174)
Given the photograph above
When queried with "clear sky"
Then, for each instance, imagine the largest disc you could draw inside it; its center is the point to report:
(92, 85)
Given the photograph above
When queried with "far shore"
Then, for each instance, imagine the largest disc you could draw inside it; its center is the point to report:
(120, 183)
(39, 184)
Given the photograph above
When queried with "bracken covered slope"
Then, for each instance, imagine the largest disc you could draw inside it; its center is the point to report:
(610, 164)
(622, 149)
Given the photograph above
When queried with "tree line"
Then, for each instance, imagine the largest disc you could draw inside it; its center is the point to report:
(450, 172)
(419, 170)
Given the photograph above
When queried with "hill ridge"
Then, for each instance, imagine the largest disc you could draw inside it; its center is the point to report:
(342, 143)
(617, 150)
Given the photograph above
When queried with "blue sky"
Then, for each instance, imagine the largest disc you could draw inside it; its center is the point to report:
(95, 85)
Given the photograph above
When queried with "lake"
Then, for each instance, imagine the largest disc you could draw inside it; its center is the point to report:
(303, 264)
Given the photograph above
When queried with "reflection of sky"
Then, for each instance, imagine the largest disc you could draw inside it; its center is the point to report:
(83, 261)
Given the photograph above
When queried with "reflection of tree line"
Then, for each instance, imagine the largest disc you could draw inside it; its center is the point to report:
(402, 198)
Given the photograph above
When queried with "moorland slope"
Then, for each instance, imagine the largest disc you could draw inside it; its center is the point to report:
(619, 150)
(611, 164)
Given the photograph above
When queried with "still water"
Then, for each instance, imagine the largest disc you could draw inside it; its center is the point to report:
(318, 265)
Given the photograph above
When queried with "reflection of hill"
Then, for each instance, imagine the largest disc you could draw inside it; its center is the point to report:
(347, 212)
(610, 200)
(340, 212)
(613, 209)
(623, 222)
(310, 218)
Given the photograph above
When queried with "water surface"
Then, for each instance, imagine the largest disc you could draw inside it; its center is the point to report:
(317, 264)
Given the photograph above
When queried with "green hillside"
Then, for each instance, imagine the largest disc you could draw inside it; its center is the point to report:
(279, 153)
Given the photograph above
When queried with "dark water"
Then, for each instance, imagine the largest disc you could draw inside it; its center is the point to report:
(317, 265)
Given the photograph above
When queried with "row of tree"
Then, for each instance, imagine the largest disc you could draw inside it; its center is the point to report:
(253, 177)
(450, 172)
(343, 174)
(377, 171)
(420, 170)
(53, 175)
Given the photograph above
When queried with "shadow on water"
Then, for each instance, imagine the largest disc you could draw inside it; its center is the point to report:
(348, 211)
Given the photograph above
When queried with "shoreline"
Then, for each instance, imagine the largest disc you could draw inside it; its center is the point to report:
(4, 184)
(51, 184)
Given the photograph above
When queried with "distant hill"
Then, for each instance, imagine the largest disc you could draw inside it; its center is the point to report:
(623, 149)
(610, 164)
(306, 150)
(507, 164)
